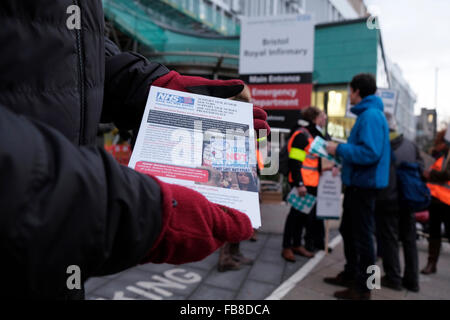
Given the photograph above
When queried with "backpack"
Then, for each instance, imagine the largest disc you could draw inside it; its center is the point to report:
(387, 198)
(412, 189)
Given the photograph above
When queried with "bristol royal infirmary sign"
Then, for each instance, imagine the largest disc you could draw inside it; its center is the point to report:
(277, 59)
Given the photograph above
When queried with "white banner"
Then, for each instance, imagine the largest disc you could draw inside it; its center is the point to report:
(281, 44)
(389, 98)
(329, 205)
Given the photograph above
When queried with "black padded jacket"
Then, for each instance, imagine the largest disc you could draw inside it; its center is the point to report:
(64, 201)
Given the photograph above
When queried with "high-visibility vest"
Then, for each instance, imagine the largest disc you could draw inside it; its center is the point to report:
(440, 191)
(259, 160)
(310, 163)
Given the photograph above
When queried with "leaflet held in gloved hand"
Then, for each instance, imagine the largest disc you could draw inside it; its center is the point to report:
(302, 204)
(319, 148)
(203, 143)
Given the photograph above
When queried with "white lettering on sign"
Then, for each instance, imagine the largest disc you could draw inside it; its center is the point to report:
(276, 103)
(274, 79)
(188, 278)
(274, 92)
(160, 286)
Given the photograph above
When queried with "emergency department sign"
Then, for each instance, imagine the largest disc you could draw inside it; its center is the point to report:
(277, 59)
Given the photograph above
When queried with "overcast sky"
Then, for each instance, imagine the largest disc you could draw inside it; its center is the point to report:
(416, 36)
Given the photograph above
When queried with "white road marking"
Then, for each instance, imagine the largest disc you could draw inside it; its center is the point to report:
(290, 283)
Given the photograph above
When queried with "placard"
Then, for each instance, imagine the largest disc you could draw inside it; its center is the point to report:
(329, 195)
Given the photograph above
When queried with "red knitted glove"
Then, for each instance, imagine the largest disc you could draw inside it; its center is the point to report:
(215, 88)
(260, 120)
(193, 227)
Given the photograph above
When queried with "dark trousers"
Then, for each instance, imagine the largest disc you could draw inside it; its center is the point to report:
(315, 233)
(294, 226)
(439, 213)
(298, 222)
(392, 227)
(357, 229)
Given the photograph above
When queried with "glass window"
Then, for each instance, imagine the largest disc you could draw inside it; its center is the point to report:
(340, 127)
(202, 11)
(317, 99)
(337, 103)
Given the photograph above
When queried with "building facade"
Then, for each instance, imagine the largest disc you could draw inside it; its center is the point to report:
(323, 10)
(342, 50)
(426, 128)
(406, 100)
(201, 37)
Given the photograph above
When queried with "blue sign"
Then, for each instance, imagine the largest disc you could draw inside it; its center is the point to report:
(173, 99)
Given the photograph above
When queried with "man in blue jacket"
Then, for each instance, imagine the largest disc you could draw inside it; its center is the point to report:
(365, 158)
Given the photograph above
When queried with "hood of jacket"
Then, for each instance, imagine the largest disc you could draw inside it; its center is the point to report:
(366, 155)
(368, 102)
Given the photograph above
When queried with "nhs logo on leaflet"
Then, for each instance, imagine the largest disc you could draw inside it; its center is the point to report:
(174, 100)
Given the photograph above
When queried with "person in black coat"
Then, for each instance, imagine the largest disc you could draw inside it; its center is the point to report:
(64, 201)
(297, 221)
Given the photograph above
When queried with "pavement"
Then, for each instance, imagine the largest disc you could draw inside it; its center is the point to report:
(432, 287)
(270, 277)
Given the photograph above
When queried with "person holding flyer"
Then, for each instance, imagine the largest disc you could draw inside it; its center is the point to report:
(304, 174)
(365, 170)
(66, 202)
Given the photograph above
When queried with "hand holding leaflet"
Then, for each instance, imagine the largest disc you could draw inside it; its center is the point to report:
(214, 88)
(318, 148)
(204, 143)
(193, 227)
(302, 204)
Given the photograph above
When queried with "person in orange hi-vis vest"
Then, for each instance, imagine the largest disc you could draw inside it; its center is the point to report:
(438, 178)
(304, 174)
